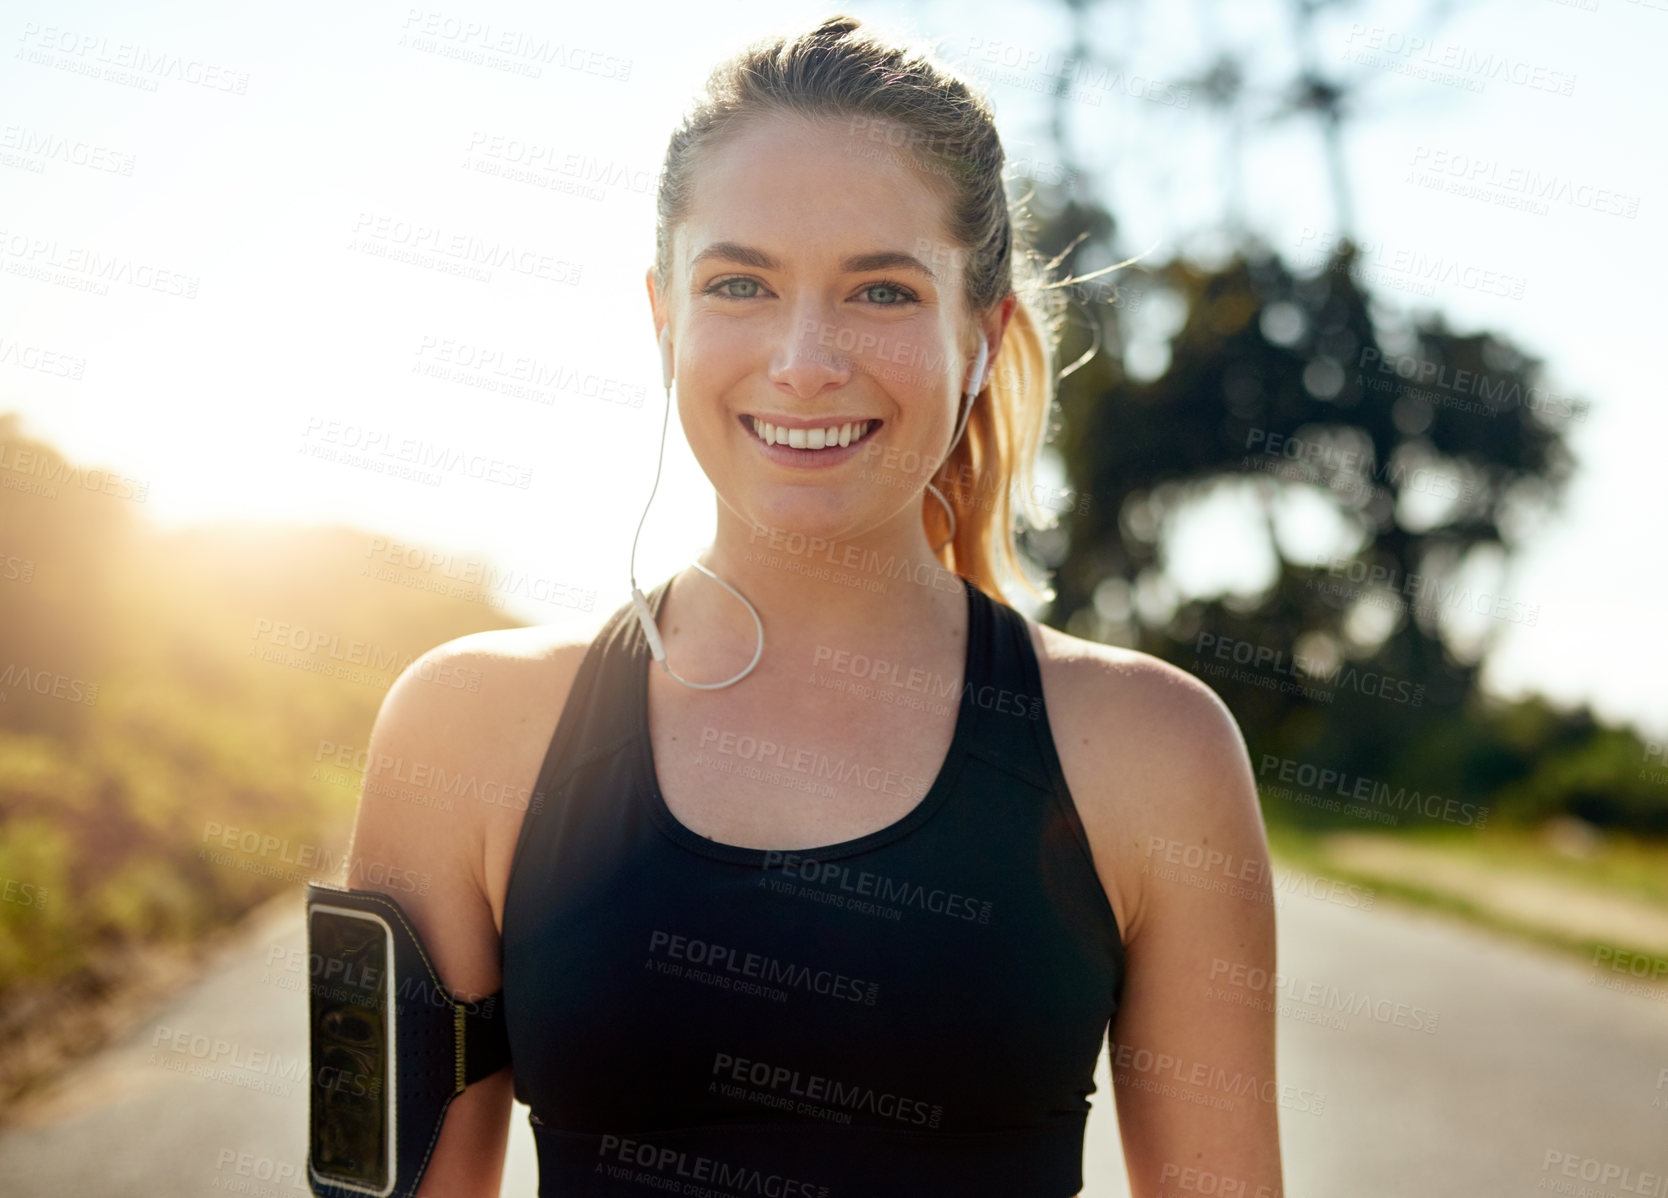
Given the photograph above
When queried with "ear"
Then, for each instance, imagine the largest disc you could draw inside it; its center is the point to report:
(994, 326)
(656, 307)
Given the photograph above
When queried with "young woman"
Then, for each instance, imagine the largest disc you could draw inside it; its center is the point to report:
(844, 897)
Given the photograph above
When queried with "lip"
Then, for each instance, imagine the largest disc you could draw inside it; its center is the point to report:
(809, 459)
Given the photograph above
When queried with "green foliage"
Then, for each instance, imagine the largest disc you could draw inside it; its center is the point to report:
(113, 801)
(1427, 456)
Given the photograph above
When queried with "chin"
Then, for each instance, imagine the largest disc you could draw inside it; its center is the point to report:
(803, 509)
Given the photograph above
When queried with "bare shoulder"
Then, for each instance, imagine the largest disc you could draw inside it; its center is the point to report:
(1152, 756)
(453, 759)
(453, 756)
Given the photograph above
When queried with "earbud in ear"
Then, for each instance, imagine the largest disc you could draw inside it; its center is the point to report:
(666, 356)
(979, 361)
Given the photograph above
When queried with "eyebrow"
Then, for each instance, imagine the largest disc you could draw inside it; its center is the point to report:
(748, 256)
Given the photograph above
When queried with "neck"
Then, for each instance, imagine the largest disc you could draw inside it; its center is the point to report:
(878, 589)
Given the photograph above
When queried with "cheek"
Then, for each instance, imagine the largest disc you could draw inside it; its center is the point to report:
(702, 396)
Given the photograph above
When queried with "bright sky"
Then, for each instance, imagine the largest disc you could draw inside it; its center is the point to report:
(248, 215)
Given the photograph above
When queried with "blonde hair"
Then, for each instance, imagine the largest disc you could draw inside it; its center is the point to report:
(842, 68)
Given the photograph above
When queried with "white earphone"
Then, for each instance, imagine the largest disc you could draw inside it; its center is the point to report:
(640, 602)
(973, 390)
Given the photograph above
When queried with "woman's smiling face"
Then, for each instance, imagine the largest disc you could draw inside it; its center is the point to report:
(812, 288)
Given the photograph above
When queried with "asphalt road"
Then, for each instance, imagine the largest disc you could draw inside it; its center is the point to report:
(1535, 1079)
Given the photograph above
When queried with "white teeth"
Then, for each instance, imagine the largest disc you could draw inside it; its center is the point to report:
(813, 438)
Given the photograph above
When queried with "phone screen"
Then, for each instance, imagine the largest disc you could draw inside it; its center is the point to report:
(350, 1017)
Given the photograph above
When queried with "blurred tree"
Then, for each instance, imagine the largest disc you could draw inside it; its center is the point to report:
(60, 531)
(1386, 509)
(1385, 469)
(204, 717)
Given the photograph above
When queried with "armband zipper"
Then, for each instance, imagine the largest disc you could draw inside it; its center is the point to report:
(457, 1036)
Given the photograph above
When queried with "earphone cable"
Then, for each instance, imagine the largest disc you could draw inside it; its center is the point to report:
(665, 422)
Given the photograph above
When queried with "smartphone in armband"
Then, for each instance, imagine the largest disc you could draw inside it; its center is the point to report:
(351, 1014)
(389, 1046)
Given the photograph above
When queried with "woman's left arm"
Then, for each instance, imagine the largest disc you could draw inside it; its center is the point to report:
(1192, 1046)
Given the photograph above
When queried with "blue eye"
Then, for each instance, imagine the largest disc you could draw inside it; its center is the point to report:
(718, 288)
(905, 296)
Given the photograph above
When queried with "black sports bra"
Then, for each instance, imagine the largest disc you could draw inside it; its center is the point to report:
(916, 1011)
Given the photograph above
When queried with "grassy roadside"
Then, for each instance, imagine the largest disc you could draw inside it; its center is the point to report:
(1600, 900)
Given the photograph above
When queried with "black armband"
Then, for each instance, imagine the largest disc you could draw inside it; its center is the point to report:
(389, 1047)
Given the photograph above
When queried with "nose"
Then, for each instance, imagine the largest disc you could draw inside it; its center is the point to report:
(807, 360)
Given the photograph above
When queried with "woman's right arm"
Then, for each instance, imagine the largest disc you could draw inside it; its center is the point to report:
(415, 838)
